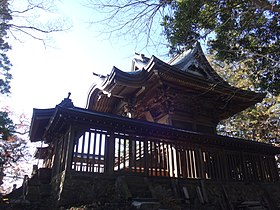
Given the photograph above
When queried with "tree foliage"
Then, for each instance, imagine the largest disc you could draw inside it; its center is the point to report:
(241, 31)
(14, 148)
(7, 127)
(5, 64)
(260, 122)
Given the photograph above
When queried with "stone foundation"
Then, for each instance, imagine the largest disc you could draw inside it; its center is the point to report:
(119, 192)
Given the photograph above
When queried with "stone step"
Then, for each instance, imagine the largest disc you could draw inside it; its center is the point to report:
(146, 204)
(137, 186)
(144, 199)
(136, 193)
(251, 205)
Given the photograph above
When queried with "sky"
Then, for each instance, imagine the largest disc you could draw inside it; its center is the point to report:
(43, 76)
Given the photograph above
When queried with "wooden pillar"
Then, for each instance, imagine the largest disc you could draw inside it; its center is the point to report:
(55, 165)
(178, 160)
(69, 147)
(255, 168)
(110, 153)
(184, 157)
(225, 164)
(132, 154)
(274, 171)
(201, 164)
(172, 160)
(262, 169)
(146, 155)
(244, 167)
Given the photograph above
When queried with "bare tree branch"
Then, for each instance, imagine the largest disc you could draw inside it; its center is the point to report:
(265, 5)
(139, 19)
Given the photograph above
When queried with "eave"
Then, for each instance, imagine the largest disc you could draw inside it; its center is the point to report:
(116, 123)
(39, 122)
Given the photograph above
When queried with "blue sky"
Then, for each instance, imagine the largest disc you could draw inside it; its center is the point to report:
(42, 77)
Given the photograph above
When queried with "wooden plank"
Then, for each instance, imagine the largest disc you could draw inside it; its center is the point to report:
(146, 154)
(275, 169)
(119, 153)
(83, 154)
(217, 166)
(99, 150)
(244, 168)
(168, 159)
(110, 153)
(178, 163)
(141, 156)
(225, 165)
(197, 164)
(201, 164)
(172, 160)
(156, 158)
(192, 163)
(187, 164)
(151, 157)
(88, 167)
(260, 157)
(135, 153)
(74, 153)
(94, 147)
(208, 165)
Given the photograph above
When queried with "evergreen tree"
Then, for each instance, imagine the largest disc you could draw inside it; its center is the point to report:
(260, 122)
(5, 64)
(235, 32)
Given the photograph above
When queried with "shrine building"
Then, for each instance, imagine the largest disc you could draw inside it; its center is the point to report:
(149, 135)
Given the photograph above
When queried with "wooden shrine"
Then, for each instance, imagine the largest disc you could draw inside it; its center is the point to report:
(155, 122)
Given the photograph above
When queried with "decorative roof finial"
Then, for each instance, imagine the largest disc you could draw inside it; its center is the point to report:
(98, 75)
(67, 102)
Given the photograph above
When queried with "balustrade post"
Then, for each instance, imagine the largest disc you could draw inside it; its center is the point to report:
(244, 167)
(146, 155)
(225, 164)
(110, 153)
(69, 148)
(201, 163)
(56, 162)
(132, 155)
(275, 175)
(262, 168)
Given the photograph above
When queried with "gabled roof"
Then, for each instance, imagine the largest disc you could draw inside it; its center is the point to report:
(188, 70)
(194, 61)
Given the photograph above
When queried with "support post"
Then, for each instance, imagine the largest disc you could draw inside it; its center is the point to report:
(69, 148)
(201, 164)
(145, 157)
(110, 153)
(225, 165)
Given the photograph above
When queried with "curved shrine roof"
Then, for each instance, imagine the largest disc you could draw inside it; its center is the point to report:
(189, 69)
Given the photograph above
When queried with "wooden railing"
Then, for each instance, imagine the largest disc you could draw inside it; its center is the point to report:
(109, 151)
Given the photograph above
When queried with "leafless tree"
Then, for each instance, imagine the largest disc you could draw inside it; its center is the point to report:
(36, 19)
(138, 20)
